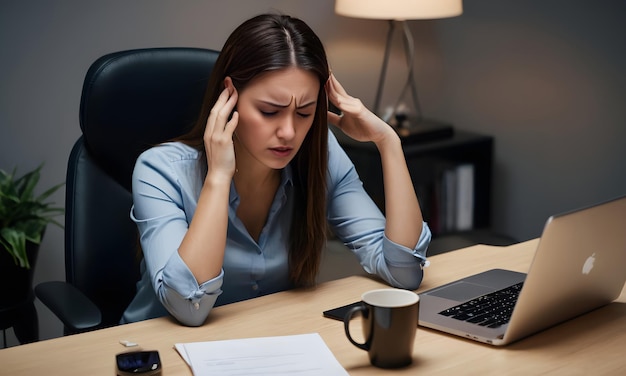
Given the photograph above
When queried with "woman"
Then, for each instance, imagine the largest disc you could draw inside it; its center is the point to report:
(239, 207)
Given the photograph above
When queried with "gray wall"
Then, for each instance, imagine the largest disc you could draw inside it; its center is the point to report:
(542, 77)
(546, 79)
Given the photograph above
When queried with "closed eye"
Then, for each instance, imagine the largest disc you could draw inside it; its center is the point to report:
(303, 115)
(269, 113)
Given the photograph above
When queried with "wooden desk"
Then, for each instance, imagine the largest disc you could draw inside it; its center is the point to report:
(591, 344)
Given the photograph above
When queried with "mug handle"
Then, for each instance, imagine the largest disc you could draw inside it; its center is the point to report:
(346, 326)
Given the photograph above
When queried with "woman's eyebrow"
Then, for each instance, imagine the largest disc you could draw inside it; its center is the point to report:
(311, 103)
(270, 103)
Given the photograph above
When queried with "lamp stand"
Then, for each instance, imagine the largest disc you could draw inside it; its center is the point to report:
(383, 72)
(409, 51)
(419, 125)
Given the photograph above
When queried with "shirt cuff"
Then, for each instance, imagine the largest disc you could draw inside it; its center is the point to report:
(179, 278)
(397, 254)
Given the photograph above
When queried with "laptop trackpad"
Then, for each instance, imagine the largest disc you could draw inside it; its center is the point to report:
(461, 291)
(478, 284)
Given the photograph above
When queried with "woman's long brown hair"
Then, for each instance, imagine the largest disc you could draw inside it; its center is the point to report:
(266, 43)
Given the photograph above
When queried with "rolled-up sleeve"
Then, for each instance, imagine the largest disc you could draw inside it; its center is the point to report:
(359, 223)
(162, 208)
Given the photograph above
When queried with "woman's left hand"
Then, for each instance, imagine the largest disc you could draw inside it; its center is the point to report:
(356, 120)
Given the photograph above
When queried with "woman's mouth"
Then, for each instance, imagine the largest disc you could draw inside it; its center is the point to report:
(281, 151)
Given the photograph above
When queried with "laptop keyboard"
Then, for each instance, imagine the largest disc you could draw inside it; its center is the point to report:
(492, 310)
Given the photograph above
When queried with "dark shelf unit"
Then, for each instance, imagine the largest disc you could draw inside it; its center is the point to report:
(426, 161)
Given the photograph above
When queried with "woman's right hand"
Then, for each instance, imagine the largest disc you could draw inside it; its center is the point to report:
(218, 134)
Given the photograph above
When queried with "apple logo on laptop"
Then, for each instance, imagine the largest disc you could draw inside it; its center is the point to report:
(588, 265)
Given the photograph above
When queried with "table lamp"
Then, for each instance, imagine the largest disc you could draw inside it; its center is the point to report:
(397, 12)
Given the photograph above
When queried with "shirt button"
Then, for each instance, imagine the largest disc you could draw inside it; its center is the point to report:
(255, 287)
(196, 306)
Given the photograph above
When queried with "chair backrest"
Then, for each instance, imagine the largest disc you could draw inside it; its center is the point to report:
(130, 101)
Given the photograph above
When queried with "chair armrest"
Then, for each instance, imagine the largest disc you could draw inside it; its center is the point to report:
(70, 305)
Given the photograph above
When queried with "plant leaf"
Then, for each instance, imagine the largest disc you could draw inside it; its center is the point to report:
(15, 242)
(47, 193)
(27, 183)
(24, 217)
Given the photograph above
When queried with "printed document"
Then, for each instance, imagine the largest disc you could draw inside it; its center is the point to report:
(303, 354)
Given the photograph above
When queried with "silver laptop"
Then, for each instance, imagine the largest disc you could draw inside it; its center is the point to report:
(579, 265)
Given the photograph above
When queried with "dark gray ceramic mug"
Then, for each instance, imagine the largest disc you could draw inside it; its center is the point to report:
(389, 325)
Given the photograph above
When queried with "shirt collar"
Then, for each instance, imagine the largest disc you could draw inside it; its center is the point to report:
(286, 179)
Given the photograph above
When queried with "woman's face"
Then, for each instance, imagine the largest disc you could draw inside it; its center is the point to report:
(276, 111)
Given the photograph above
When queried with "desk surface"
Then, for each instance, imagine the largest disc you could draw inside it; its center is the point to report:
(593, 343)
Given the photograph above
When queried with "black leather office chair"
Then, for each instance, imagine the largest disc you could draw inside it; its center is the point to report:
(130, 101)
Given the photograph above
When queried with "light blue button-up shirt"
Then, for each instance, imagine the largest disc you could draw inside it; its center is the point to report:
(166, 185)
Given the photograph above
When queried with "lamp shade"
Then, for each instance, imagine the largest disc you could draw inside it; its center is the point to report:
(399, 9)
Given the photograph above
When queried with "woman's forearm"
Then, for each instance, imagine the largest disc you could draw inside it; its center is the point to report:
(402, 210)
(202, 248)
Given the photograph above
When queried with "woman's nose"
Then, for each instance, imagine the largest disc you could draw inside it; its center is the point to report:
(286, 128)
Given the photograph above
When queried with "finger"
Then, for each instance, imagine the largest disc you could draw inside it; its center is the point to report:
(217, 107)
(331, 93)
(229, 108)
(231, 125)
(224, 111)
(330, 90)
(336, 86)
(339, 97)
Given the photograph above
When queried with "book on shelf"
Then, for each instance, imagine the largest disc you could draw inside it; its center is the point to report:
(449, 203)
(464, 197)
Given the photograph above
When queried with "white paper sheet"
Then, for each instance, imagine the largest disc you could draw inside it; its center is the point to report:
(303, 354)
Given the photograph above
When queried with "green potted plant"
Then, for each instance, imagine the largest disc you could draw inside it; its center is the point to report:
(24, 217)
